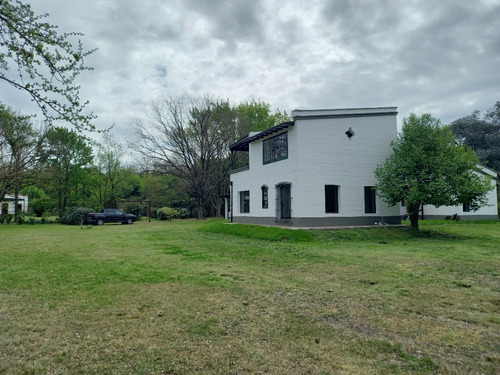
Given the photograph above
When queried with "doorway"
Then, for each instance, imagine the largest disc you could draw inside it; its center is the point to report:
(283, 202)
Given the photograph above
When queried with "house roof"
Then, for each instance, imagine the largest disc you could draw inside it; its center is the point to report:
(300, 114)
(242, 144)
(489, 172)
(343, 112)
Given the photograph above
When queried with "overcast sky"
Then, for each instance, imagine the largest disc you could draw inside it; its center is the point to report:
(437, 56)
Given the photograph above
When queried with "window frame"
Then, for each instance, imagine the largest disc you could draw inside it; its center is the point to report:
(332, 201)
(265, 197)
(244, 196)
(370, 200)
(275, 149)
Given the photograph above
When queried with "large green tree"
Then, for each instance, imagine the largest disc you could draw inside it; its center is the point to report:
(428, 167)
(481, 134)
(256, 115)
(38, 60)
(66, 174)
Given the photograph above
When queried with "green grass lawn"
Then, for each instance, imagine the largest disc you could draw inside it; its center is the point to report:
(211, 298)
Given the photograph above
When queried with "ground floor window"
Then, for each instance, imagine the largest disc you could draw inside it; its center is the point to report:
(331, 199)
(265, 196)
(245, 201)
(370, 205)
(466, 207)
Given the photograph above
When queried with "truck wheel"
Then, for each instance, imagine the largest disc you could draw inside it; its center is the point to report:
(130, 221)
(100, 222)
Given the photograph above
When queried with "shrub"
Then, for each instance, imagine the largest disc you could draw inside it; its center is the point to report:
(8, 218)
(167, 213)
(32, 220)
(183, 213)
(75, 215)
(20, 219)
(3, 218)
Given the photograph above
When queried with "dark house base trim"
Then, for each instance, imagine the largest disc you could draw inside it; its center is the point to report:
(463, 217)
(319, 221)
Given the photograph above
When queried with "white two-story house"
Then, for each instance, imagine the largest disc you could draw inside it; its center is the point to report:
(317, 170)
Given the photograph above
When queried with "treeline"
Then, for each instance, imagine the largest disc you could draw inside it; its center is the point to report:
(179, 158)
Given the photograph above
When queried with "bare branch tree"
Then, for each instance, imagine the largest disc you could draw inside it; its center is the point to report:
(185, 136)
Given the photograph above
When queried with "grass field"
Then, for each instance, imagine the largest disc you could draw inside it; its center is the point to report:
(211, 298)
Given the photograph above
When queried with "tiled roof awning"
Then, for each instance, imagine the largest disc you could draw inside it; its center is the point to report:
(242, 144)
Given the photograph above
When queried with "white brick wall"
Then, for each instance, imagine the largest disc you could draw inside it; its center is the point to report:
(320, 153)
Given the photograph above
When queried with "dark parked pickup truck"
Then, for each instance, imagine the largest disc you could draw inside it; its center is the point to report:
(110, 215)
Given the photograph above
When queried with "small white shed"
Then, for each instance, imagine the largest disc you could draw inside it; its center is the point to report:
(8, 204)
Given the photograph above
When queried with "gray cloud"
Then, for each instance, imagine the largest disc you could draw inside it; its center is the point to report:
(441, 57)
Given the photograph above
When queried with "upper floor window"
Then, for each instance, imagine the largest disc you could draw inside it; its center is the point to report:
(370, 202)
(275, 148)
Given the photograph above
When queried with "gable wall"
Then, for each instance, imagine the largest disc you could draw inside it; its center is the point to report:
(326, 155)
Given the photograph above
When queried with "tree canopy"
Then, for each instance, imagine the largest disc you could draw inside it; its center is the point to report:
(36, 59)
(21, 147)
(481, 134)
(68, 154)
(428, 167)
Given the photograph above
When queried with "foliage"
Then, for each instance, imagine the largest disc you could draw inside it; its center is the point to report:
(39, 201)
(20, 149)
(113, 180)
(167, 213)
(427, 167)
(258, 232)
(6, 218)
(256, 116)
(183, 213)
(75, 215)
(69, 153)
(163, 190)
(36, 59)
(482, 135)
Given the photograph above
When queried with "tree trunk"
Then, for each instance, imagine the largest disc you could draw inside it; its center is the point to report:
(16, 205)
(414, 220)
(413, 213)
(200, 205)
(217, 207)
